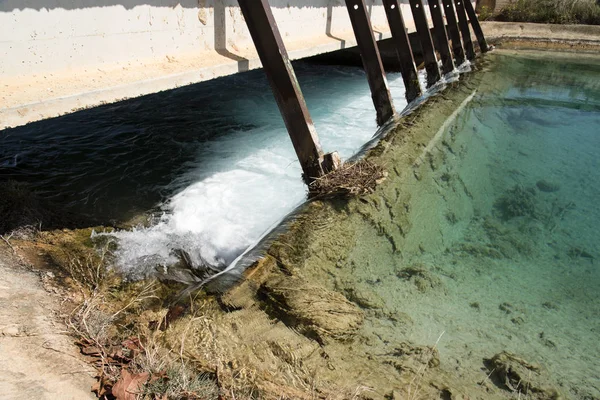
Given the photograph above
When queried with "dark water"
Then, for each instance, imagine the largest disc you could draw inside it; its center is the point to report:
(112, 162)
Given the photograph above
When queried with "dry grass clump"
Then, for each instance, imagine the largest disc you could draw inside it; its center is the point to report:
(351, 179)
(89, 269)
(171, 376)
(88, 262)
(552, 11)
(96, 323)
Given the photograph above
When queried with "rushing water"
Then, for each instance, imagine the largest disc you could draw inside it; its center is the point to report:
(213, 160)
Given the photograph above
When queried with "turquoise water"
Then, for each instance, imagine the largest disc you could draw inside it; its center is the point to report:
(532, 247)
(493, 245)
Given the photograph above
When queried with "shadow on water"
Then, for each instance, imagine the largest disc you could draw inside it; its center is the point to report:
(112, 162)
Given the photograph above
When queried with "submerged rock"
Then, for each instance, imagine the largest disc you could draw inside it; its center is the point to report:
(515, 374)
(546, 186)
(423, 279)
(517, 202)
(407, 357)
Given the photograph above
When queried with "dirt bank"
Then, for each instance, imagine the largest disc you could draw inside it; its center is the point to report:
(38, 359)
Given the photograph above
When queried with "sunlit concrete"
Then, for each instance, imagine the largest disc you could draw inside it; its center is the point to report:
(58, 56)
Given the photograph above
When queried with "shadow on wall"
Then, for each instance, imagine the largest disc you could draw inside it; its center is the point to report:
(12, 5)
(219, 8)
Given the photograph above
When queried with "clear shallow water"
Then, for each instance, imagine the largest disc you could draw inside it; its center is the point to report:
(214, 159)
(503, 241)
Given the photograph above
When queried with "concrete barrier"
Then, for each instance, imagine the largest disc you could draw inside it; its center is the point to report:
(61, 55)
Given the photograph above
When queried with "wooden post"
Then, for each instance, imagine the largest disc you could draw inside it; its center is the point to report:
(441, 37)
(431, 65)
(371, 59)
(405, 55)
(476, 26)
(464, 29)
(457, 47)
(284, 84)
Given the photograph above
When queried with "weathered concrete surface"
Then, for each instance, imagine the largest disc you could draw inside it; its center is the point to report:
(59, 58)
(38, 359)
(62, 55)
(541, 32)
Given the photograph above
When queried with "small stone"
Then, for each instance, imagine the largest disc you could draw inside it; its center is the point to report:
(506, 307)
(11, 331)
(546, 186)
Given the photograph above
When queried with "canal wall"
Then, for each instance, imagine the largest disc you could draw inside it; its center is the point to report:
(62, 55)
(541, 32)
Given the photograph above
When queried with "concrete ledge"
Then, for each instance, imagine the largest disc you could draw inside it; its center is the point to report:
(541, 32)
(64, 55)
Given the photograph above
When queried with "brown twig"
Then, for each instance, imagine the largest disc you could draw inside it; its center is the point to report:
(351, 179)
(8, 242)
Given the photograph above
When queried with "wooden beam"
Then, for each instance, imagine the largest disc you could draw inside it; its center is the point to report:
(463, 24)
(441, 37)
(371, 59)
(431, 65)
(284, 85)
(457, 47)
(403, 49)
(476, 26)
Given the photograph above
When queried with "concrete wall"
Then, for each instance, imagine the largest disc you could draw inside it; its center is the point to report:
(57, 56)
(41, 36)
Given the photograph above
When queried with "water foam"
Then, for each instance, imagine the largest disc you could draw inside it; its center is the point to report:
(248, 180)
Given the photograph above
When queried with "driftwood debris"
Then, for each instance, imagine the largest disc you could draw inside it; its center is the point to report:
(351, 179)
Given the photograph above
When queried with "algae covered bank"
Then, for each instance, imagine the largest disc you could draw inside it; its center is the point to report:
(470, 272)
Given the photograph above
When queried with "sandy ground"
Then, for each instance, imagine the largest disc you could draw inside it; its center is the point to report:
(38, 359)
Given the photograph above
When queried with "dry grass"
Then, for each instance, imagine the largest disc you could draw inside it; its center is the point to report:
(552, 11)
(172, 376)
(95, 323)
(351, 179)
(89, 269)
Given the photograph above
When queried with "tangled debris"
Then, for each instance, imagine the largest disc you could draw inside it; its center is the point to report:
(516, 375)
(351, 179)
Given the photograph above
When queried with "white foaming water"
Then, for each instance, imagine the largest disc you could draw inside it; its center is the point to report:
(248, 180)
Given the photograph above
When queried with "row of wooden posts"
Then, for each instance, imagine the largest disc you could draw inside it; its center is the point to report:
(279, 70)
